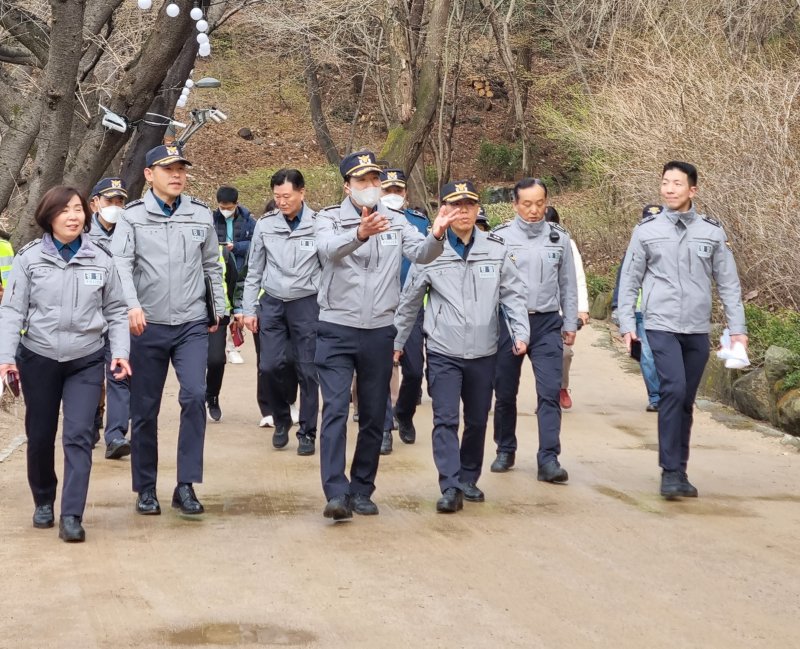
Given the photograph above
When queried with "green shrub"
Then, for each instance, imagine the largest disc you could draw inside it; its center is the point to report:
(499, 161)
(781, 328)
(596, 284)
(498, 213)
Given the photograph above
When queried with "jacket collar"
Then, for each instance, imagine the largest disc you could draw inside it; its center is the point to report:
(531, 230)
(687, 217)
(49, 247)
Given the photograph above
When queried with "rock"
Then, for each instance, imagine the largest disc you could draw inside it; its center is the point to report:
(601, 306)
(751, 395)
(778, 362)
(717, 381)
(789, 412)
(497, 195)
(245, 133)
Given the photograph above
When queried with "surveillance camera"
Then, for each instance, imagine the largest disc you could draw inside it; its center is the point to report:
(217, 116)
(114, 122)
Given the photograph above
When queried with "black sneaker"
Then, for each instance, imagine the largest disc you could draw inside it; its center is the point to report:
(362, 504)
(43, 516)
(71, 530)
(503, 462)
(305, 445)
(214, 411)
(338, 508)
(452, 500)
(386, 444)
(552, 471)
(406, 431)
(280, 438)
(688, 490)
(671, 485)
(472, 492)
(118, 448)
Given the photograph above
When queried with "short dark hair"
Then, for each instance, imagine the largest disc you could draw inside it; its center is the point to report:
(54, 201)
(227, 194)
(527, 183)
(287, 176)
(551, 214)
(271, 206)
(689, 169)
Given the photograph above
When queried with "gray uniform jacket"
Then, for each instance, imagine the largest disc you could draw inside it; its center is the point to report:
(461, 318)
(99, 235)
(282, 262)
(64, 308)
(673, 257)
(162, 260)
(543, 254)
(361, 280)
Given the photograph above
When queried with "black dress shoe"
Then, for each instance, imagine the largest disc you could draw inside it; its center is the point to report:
(671, 486)
(117, 449)
(451, 501)
(43, 516)
(280, 437)
(503, 462)
(305, 445)
(183, 498)
(407, 432)
(338, 508)
(688, 490)
(552, 471)
(147, 503)
(71, 530)
(362, 504)
(652, 407)
(386, 444)
(472, 493)
(214, 411)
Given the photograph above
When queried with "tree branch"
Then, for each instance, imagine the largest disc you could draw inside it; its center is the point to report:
(18, 56)
(28, 30)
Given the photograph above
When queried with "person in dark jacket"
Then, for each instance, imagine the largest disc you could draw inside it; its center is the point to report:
(234, 224)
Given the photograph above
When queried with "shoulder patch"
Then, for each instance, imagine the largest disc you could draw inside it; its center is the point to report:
(712, 221)
(103, 248)
(266, 214)
(419, 214)
(28, 245)
(497, 228)
(494, 237)
(197, 201)
(330, 207)
(138, 201)
(655, 209)
(647, 219)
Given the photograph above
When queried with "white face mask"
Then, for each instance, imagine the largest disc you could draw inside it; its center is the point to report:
(111, 213)
(368, 197)
(227, 213)
(395, 201)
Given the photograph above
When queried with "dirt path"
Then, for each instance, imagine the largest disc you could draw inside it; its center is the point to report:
(602, 562)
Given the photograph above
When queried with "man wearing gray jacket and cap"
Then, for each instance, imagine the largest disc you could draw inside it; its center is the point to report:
(674, 256)
(543, 253)
(466, 284)
(361, 244)
(165, 247)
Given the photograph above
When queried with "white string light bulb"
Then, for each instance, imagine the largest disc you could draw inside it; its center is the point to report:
(205, 49)
(189, 83)
(144, 5)
(196, 13)
(202, 26)
(173, 10)
(202, 38)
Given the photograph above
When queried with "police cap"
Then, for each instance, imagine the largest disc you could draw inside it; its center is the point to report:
(393, 178)
(358, 164)
(109, 188)
(458, 190)
(165, 155)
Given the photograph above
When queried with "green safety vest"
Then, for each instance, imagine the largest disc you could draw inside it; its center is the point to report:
(6, 257)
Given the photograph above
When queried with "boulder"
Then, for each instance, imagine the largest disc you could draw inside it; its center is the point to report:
(497, 194)
(245, 133)
(717, 381)
(601, 306)
(751, 395)
(778, 362)
(789, 412)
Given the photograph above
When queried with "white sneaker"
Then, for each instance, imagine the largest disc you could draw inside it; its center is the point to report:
(295, 413)
(266, 422)
(234, 357)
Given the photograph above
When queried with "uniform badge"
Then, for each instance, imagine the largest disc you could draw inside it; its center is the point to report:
(392, 175)
(364, 160)
(487, 271)
(554, 256)
(172, 150)
(704, 249)
(388, 238)
(308, 244)
(198, 234)
(461, 187)
(92, 278)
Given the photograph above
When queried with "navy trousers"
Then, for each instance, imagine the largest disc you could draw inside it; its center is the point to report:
(118, 403)
(215, 365)
(412, 364)
(452, 381)
(46, 385)
(545, 352)
(288, 339)
(680, 360)
(340, 351)
(186, 345)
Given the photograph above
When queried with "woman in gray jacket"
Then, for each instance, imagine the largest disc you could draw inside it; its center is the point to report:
(63, 295)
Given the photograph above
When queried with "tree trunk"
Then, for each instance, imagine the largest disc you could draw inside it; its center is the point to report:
(59, 83)
(405, 141)
(501, 35)
(321, 130)
(401, 77)
(147, 136)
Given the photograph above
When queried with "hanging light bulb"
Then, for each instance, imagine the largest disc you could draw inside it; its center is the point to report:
(205, 49)
(173, 10)
(185, 92)
(202, 26)
(202, 38)
(144, 5)
(196, 13)
(189, 83)
(181, 102)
